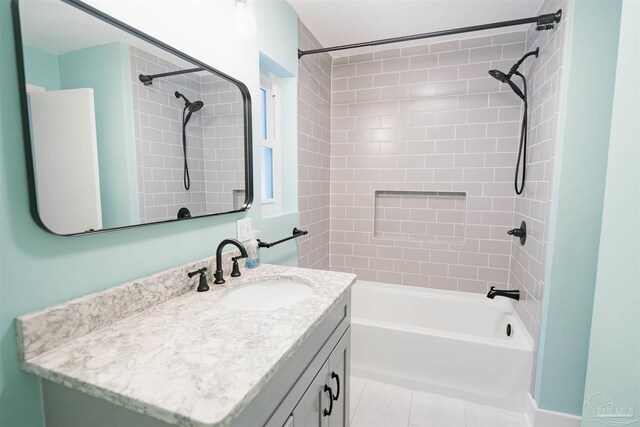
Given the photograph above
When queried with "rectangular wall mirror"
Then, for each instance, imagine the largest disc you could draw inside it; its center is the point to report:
(122, 129)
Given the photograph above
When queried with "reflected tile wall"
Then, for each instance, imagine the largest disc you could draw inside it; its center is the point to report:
(215, 141)
(157, 118)
(223, 140)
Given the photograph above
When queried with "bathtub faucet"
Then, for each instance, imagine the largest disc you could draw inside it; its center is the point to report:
(508, 293)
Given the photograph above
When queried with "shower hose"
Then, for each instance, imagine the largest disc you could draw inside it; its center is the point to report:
(522, 150)
(186, 179)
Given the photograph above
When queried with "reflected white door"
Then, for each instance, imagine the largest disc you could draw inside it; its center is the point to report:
(65, 154)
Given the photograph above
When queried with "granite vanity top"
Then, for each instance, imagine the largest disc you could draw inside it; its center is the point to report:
(188, 360)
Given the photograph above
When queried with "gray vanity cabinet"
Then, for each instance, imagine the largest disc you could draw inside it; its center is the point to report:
(325, 403)
(310, 411)
(339, 370)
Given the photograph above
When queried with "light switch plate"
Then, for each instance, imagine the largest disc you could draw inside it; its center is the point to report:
(244, 229)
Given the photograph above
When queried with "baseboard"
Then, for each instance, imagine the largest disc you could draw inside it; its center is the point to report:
(537, 417)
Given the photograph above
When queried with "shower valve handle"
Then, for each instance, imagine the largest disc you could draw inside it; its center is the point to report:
(519, 232)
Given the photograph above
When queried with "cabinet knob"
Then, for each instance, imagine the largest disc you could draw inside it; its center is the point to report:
(325, 412)
(337, 378)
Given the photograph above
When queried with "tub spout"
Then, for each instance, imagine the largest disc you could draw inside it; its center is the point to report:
(507, 293)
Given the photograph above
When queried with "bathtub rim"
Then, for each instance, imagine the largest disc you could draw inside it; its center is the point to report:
(523, 341)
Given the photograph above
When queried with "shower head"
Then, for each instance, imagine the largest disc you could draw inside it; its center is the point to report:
(499, 75)
(506, 78)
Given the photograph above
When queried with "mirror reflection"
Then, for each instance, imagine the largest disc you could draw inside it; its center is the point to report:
(122, 131)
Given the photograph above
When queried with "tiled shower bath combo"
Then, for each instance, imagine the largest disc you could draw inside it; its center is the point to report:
(422, 150)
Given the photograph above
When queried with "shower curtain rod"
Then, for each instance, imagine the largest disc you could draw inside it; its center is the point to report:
(147, 79)
(544, 22)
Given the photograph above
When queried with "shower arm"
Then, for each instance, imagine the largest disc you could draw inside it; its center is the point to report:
(514, 69)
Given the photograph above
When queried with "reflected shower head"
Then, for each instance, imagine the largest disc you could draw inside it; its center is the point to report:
(196, 106)
(192, 106)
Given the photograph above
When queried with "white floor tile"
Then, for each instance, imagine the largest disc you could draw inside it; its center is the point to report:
(486, 416)
(376, 404)
(382, 405)
(430, 410)
(357, 385)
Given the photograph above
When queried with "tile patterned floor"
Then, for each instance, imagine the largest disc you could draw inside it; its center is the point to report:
(376, 404)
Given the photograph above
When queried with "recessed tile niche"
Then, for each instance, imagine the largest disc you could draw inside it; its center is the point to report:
(420, 215)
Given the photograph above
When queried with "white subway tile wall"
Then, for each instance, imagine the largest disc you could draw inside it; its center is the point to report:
(528, 263)
(426, 118)
(314, 124)
(215, 138)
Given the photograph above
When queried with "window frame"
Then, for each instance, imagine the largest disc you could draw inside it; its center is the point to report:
(271, 84)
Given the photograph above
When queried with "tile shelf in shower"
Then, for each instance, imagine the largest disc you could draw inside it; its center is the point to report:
(432, 216)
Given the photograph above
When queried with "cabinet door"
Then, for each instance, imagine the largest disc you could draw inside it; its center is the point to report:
(339, 381)
(310, 410)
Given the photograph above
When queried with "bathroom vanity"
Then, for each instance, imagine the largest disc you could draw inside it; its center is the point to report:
(271, 347)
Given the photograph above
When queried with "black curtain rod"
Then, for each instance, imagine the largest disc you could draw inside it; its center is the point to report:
(544, 22)
(147, 79)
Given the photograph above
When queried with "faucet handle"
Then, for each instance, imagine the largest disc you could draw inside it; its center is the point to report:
(235, 272)
(203, 286)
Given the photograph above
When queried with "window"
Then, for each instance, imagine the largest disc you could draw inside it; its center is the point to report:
(270, 141)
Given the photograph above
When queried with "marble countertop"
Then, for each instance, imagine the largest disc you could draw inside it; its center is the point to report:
(189, 360)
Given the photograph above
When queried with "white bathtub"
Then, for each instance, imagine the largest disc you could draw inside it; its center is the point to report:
(443, 342)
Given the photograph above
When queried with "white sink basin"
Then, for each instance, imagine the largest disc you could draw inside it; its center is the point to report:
(267, 295)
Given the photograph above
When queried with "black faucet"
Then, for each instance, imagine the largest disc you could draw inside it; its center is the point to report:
(507, 293)
(219, 273)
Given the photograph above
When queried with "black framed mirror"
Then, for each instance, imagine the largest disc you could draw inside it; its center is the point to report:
(122, 130)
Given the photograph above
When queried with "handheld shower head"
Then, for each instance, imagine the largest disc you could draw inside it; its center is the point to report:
(506, 78)
(522, 94)
(499, 75)
(179, 95)
(189, 109)
(192, 106)
(196, 106)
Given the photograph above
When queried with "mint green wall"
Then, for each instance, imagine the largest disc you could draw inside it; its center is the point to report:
(38, 269)
(614, 349)
(278, 51)
(577, 211)
(105, 68)
(277, 45)
(41, 68)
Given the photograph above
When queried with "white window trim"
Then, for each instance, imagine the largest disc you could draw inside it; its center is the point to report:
(271, 84)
